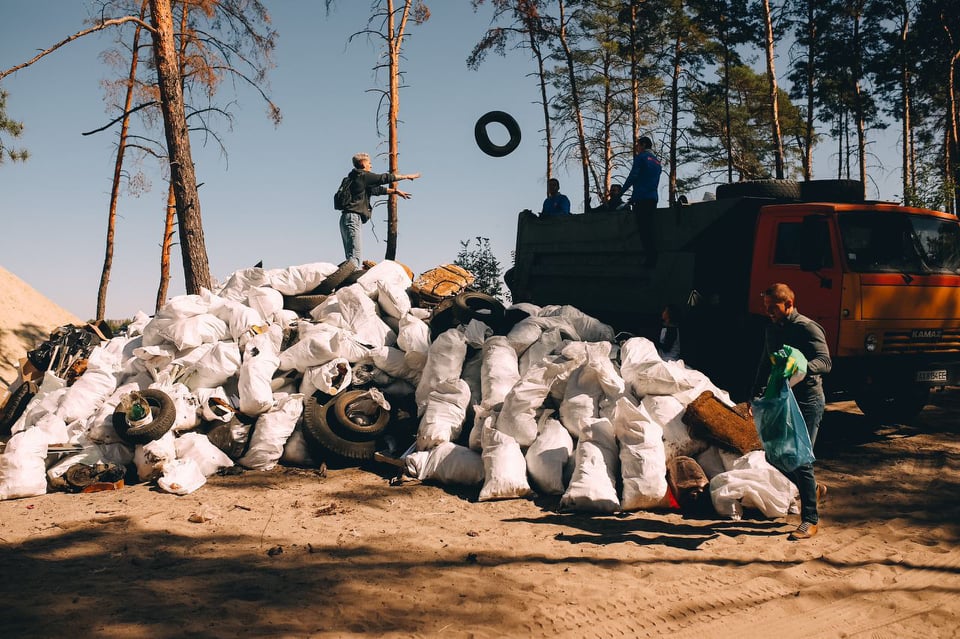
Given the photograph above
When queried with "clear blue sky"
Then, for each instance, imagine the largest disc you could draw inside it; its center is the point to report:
(271, 198)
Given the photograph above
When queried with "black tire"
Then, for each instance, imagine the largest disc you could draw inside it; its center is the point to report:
(480, 306)
(893, 407)
(849, 191)
(443, 318)
(302, 303)
(335, 279)
(776, 189)
(16, 404)
(164, 413)
(323, 431)
(353, 424)
(483, 139)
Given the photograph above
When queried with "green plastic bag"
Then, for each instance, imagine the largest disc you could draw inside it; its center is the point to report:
(780, 424)
(788, 363)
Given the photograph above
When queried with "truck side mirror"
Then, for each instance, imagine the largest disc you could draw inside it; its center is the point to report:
(815, 250)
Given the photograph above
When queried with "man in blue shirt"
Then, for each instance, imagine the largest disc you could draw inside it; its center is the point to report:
(556, 203)
(644, 177)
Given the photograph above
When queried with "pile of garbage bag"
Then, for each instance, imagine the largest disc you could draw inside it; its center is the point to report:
(288, 366)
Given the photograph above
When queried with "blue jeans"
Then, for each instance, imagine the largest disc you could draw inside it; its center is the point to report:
(351, 230)
(812, 409)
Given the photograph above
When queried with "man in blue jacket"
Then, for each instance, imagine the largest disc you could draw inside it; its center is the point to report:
(644, 178)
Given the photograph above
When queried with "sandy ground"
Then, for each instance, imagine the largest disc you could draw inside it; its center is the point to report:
(296, 553)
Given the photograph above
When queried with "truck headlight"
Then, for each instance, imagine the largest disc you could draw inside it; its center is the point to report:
(870, 343)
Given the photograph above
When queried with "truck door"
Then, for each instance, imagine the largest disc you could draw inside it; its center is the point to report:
(801, 251)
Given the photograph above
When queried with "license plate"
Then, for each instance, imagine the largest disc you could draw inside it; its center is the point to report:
(931, 376)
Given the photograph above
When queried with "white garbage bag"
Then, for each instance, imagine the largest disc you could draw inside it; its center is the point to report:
(549, 456)
(643, 462)
(593, 486)
(504, 468)
(447, 463)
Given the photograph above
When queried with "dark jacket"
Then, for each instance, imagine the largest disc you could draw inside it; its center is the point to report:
(802, 333)
(364, 185)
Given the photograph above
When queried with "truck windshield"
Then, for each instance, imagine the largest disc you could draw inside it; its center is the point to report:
(899, 243)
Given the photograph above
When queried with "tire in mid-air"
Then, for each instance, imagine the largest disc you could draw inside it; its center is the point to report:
(483, 138)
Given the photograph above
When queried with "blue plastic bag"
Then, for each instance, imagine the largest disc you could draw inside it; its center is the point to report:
(782, 430)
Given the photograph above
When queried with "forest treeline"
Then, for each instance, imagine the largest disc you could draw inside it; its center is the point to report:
(703, 78)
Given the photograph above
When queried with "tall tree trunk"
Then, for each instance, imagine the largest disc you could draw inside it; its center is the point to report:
(774, 91)
(577, 113)
(908, 186)
(196, 267)
(810, 81)
(165, 245)
(858, 98)
(953, 137)
(533, 31)
(674, 115)
(634, 74)
(394, 43)
(727, 124)
(118, 173)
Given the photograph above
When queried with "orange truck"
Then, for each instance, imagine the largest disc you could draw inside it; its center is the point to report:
(883, 280)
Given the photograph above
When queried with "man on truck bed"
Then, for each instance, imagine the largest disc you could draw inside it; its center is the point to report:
(644, 178)
(789, 327)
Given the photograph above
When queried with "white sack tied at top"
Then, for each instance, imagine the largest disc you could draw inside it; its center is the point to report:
(393, 362)
(319, 344)
(23, 465)
(643, 462)
(88, 392)
(588, 328)
(444, 361)
(518, 416)
(499, 370)
(481, 417)
(504, 468)
(271, 432)
(238, 317)
(443, 417)
(549, 456)
(593, 486)
(667, 412)
(359, 313)
(330, 378)
(199, 449)
(752, 483)
(212, 365)
(447, 463)
(261, 358)
(149, 458)
(266, 301)
(413, 339)
(550, 341)
(300, 279)
(157, 330)
(45, 402)
(387, 272)
(394, 298)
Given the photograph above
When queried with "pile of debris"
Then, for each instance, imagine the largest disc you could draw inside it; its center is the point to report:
(301, 365)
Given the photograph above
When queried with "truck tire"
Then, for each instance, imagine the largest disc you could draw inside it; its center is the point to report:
(479, 306)
(326, 434)
(483, 139)
(899, 406)
(164, 413)
(302, 303)
(776, 189)
(16, 404)
(850, 191)
(335, 279)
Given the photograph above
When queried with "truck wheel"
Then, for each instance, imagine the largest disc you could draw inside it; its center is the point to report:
(776, 189)
(850, 191)
(164, 413)
(483, 139)
(899, 406)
